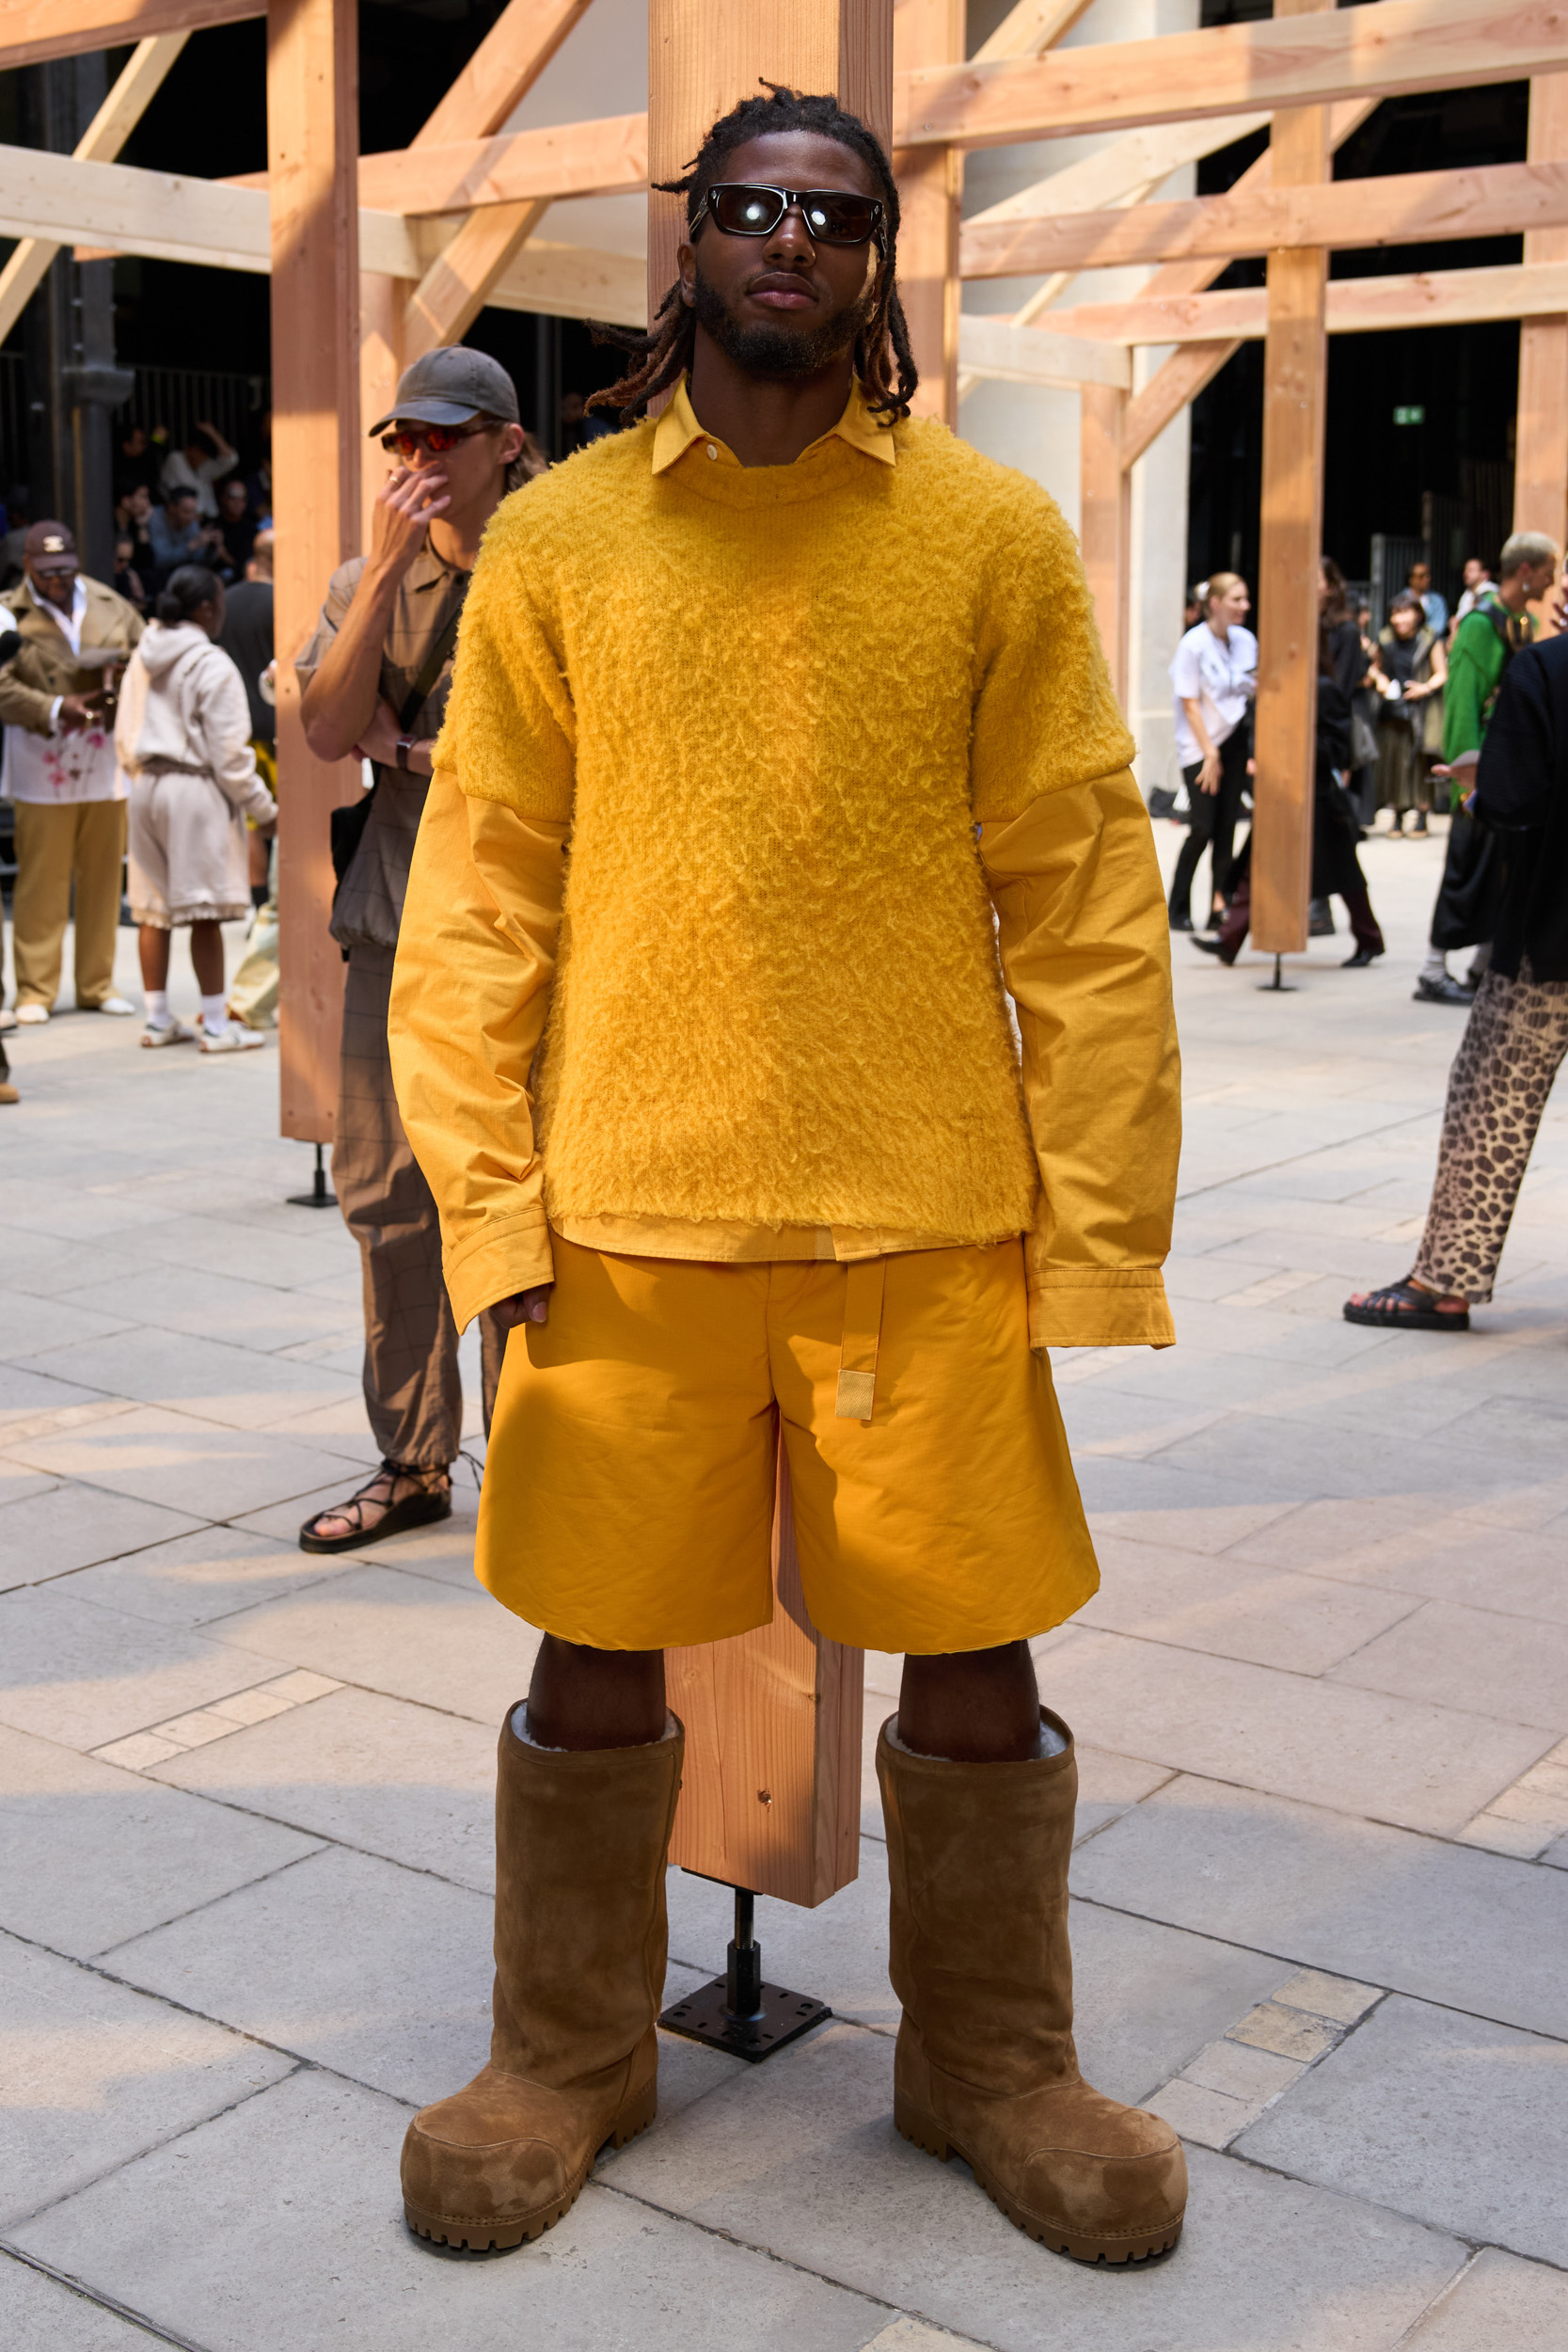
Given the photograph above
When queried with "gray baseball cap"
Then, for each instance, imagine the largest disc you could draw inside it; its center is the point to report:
(448, 386)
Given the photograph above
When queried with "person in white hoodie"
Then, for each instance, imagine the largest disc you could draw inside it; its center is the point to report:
(182, 734)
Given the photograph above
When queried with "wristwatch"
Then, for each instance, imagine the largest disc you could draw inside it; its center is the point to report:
(405, 744)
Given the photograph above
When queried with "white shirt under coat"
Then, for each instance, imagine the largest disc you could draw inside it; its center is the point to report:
(1220, 674)
(47, 771)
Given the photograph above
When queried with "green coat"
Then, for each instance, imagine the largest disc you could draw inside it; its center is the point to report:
(1477, 660)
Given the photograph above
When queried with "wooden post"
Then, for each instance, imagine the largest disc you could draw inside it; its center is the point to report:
(930, 196)
(1540, 448)
(312, 159)
(382, 303)
(1105, 520)
(1295, 373)
(771, 1799)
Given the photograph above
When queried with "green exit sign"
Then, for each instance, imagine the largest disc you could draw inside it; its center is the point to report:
(1410, 415)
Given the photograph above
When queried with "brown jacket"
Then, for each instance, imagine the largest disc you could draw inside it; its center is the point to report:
(44, 667)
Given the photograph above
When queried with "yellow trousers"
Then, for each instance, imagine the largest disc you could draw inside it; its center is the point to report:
(628, 1488)
(80, 842)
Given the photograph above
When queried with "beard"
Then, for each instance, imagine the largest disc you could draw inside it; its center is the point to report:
(780, 352)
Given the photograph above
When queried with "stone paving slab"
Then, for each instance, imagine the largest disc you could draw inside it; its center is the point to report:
(1444, 1922)
(197, 1579)
(36, 2311)
(96, 2072)
(84, 1675)
(181, 1461)
(1501, 2304)
(278, 2224)
(91, 1854)
(51, 1529)
(799, 2159)
(1362, 2122)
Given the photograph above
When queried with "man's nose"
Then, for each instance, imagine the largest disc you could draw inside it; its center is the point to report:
(791, 240)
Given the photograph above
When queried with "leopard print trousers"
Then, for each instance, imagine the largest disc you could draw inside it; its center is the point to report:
(1512, 1048)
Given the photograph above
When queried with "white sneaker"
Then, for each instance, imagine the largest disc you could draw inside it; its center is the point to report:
(231, 1038)
(119, 1006)
(31, 1016)
(166, 1033)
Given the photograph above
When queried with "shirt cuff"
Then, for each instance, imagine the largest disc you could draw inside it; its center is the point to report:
(54, 714)
(1099, 1306)
(508, 1254)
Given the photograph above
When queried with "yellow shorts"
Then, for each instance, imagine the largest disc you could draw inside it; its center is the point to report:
(628, 1489)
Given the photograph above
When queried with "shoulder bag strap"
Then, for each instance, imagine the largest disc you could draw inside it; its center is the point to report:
(436, 657)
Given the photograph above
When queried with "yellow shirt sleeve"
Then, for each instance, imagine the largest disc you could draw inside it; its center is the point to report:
(1086, 953)
(470, 990)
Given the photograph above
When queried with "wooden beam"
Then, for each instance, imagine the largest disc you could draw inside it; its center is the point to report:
(458, 284)
(501, 71)
(1295, 383)
(100, 142)
(1185, 374)
(1404, 208)
(1169, 389)
(1356, 306)
(575, 281)
(996, 348)
(1119, 171)
(771, 1799)
(312, 127)
(1105, 520)
(1541, 436)
(1392, 50)
(930, 197)
(33, 30)
(606, 157)
(162, 215)
(1027, 30)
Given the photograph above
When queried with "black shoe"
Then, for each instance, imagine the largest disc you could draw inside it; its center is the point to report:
(1209, 946)
(1472, 981)
(1319, 919)
(1362, 957)
(1180, 922)
(1443, 991)
(1417, 831)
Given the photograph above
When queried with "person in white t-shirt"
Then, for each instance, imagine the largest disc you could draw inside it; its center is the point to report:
(1215, 677)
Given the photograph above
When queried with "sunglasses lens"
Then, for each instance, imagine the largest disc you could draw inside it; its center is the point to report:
(439, 438)
(743, 212)
(836, 219)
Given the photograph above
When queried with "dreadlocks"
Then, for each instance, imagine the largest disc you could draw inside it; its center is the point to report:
(664, 354)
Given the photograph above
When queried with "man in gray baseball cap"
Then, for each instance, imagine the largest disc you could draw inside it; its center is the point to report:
(449, 386)
(374, 679)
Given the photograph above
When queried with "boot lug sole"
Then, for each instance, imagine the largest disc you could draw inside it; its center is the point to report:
(484, 2238)
(924, 2133)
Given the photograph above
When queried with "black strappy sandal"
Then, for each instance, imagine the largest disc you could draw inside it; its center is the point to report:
(420, 1509)
(1404, 1306)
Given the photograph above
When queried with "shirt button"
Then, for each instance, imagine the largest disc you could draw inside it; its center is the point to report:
(711, 450)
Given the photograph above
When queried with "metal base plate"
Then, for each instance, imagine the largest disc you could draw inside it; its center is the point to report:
(785, 2016)
(311, 1200)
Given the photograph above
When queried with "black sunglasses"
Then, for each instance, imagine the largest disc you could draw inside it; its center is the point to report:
(832, 216)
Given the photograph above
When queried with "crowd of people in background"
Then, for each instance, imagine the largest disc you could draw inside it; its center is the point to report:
(144, 697)
(1401, 713)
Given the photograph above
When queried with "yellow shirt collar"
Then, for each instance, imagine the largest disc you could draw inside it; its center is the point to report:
(677, 428)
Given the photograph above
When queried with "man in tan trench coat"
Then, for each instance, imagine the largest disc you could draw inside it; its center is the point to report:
(62, 775)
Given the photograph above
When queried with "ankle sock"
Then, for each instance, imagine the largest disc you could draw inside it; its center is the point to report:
(215, 1014)
(518, 1721)
(158, 1013)
(1436, 967)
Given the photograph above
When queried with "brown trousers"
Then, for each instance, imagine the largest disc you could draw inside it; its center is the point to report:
(413, 1392)
(80, 841)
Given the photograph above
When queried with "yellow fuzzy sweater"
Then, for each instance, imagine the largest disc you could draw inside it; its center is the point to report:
(775, 714)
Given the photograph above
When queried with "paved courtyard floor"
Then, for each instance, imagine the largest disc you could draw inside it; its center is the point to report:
(1321, 1882)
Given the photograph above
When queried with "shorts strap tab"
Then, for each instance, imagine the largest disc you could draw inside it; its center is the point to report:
(862, 1327)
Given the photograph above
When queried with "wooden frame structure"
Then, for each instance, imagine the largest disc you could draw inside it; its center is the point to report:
(376, 257)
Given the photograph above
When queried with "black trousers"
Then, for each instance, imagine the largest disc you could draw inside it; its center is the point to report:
(1212, 824)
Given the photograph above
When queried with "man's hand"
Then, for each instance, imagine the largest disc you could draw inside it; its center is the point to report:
(76, 712)
(380, 742)
(524, 1307)
(406, 503)
(1208, 774)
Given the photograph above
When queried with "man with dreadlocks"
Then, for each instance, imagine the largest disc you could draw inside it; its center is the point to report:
(725, 1116)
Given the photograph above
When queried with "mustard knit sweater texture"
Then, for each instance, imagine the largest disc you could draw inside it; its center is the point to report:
(771, 704)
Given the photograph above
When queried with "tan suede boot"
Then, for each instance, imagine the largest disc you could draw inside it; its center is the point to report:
(986, 2069)
(581, 1944)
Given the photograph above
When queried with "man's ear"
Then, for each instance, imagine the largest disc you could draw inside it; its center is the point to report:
(686, 264)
